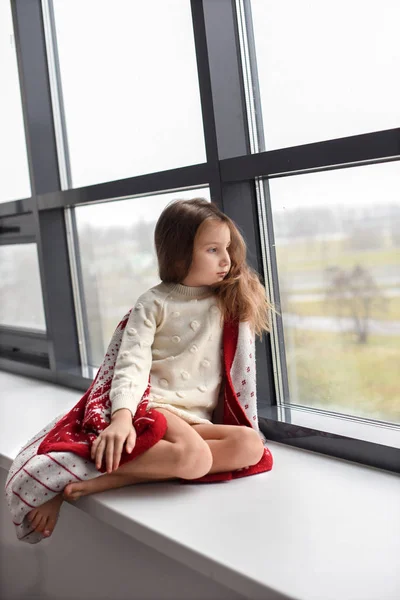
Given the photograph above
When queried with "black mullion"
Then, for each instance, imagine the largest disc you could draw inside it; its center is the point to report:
(63, 335)
(254, 73)
(229, 110)
(241, 206)
(13, 208)
(161, 182)
(17, 341)
(16, 240)
(348, 151)
(36, 103)
(207, 108)
(203, 71)
(269, 398)
(17, 229)
(44, 176)
(226, 81)
(42, 373)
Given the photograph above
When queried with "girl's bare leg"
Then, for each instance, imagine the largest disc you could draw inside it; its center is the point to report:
(232, 447)
(186, 452)
(182, 453)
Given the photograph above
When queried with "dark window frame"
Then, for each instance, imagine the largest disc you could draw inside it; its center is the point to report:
(231, 172)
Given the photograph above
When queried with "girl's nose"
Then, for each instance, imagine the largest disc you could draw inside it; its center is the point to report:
(225, 260)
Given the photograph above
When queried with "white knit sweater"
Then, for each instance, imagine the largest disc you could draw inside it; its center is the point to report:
(174, 334)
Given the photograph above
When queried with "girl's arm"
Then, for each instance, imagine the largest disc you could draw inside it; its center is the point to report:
(129, 383)
(133, 364)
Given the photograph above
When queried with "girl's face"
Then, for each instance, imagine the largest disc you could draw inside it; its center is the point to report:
(211, 261)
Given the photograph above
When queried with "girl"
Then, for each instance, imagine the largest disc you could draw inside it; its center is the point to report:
(174, 335)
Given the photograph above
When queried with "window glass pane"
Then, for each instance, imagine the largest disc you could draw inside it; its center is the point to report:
(130, 87)
(326, 70)
(337, 237)
(118, 260)
(21, 303)
(14, 173)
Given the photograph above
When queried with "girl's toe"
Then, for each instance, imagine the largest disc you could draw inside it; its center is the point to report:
(51, 523)
(36, 520)
(71, 492)
(31, 515)
(40, 525)
(48, 530)
(67, 491)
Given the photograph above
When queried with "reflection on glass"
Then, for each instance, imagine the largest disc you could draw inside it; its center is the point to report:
(130, 87)
(14, 174)
(337, 237)
(21, 303)
(118, 260)
(326, 70)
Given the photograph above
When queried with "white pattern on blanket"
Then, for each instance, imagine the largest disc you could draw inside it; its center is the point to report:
(36, 478)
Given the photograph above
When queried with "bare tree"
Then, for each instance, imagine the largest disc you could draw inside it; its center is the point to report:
(355, 293)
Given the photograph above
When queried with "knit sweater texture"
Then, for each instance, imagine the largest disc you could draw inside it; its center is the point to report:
(174, 335)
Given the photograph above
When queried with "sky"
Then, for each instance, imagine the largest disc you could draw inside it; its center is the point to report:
(326, 69)
(14, 175)
(364, 186)
(132, 101)
(116, 213)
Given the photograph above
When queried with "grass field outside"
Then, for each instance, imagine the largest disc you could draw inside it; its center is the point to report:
(321, 290)
(388, 310)
(314, 255)
(330, 371)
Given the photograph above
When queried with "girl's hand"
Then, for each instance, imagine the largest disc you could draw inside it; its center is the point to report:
(111, 441)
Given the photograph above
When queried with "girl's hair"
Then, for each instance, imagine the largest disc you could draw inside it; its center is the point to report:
(240, 296)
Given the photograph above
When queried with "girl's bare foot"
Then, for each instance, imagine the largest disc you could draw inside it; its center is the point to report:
(44, 517)
(73, 491)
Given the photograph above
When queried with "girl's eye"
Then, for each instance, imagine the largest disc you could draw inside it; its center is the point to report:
(211, 249)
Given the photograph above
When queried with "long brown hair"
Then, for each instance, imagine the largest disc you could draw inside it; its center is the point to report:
(240, 296)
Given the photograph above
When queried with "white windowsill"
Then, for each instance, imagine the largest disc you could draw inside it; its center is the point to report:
(312, 528)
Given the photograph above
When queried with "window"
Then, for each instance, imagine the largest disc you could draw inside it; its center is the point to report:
(119, 85)
(130, 87)
(117, 260)
(337, 237)
(21, 303)
(326, 70)
(14, 173)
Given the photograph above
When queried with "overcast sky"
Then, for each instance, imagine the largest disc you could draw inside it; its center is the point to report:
(128, 69)
(13, 160)
(147, 209)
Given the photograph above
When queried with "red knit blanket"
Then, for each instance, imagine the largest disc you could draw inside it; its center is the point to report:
(60, 453)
